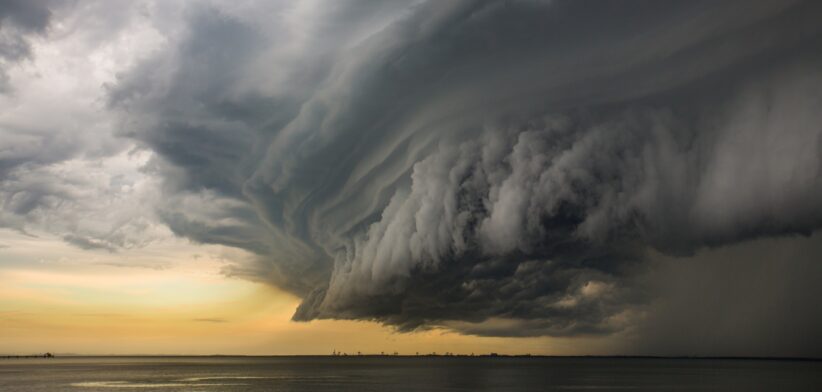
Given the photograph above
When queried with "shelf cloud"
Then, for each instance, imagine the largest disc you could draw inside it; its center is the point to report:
(465, 162)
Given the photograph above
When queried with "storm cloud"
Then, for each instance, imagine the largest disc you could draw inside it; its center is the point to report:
(511, 168)
(501, 168)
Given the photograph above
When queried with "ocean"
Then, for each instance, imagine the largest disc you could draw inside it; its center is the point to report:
(362, 374)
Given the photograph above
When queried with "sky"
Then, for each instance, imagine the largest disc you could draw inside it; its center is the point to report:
(523, 176)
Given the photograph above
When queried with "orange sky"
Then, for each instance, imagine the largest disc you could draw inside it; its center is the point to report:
(62, 299)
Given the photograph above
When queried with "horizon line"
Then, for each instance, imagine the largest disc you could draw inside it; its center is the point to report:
(445, 355)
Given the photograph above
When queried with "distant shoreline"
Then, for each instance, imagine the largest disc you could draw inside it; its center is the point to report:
(405, 356)
(33, 356)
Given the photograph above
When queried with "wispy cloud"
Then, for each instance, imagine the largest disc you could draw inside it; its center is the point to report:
(157, 266)
(210, 320)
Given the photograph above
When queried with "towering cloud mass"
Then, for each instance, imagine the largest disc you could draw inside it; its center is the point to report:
(502, 168)
(506, 168)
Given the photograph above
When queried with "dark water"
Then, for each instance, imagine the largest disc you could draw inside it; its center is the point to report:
(404, 374)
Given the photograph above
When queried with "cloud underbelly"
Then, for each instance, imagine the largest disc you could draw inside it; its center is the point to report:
(576, 199)
(496, 168)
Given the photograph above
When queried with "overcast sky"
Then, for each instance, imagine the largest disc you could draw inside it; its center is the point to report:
(644, 174)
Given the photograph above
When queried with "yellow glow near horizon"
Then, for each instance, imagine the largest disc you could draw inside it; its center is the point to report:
(60, 299)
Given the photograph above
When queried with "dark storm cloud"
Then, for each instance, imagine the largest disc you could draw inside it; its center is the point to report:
(501, 168)
(28, 15)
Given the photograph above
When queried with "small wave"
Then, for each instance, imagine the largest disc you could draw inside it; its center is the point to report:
(229, 377)
(127, 384)
(206, 378)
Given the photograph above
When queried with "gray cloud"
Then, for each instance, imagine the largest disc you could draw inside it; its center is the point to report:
(497, 168)
(19, 19)
(63, 172)
(86, 243)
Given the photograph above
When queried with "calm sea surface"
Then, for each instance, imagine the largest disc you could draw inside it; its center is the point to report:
(403, 374)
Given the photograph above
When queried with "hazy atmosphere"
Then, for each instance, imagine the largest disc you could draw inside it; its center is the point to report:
(297, 177)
